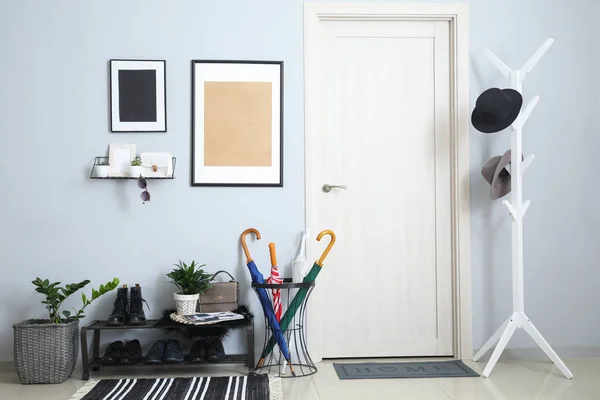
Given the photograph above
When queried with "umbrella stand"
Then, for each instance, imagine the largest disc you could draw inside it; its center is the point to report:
(295, 334)
(299, 297)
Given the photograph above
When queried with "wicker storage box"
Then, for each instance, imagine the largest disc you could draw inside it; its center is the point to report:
(45, 353)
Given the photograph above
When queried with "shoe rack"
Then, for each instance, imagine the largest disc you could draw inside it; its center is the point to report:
(98, 326)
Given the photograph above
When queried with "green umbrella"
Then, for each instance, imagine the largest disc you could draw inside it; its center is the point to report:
(299, 298)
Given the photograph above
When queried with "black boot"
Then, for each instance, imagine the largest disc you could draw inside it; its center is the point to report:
(136, 307)
(119, 313)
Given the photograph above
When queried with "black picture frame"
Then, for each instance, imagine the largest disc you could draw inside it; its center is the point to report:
(193, 178)
(137, 104)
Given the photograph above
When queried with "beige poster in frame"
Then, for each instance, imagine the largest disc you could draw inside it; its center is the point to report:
(237, 123)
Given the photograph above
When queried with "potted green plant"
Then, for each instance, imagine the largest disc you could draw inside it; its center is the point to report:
(46, 350)
(192, 281)
(101, 169)
(136, 169)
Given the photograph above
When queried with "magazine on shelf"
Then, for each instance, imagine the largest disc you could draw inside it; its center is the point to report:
(213, 317)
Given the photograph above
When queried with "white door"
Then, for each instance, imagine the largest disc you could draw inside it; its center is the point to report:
(378, 97)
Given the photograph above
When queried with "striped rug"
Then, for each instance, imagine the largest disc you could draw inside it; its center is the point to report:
(252, 387)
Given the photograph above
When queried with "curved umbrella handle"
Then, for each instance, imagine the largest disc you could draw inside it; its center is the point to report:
(243, 240)
(329, 246)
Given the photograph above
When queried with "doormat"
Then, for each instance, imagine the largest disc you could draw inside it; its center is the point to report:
(420, 369)
(256, 387)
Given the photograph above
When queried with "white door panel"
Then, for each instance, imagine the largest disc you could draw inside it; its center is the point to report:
(382, 119)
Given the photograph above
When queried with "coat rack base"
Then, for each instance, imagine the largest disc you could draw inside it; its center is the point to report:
(502, 336)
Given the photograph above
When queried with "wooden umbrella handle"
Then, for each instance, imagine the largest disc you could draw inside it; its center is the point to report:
(329, 246)
(273, 254)
(243, 240)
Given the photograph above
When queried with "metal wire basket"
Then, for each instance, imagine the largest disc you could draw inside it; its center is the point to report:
(295, 334)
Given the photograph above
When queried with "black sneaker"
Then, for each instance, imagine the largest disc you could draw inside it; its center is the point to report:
(155, 355)
(132, 352)
(215, 351)
(173, 353)
(112, 354)
(198, 352)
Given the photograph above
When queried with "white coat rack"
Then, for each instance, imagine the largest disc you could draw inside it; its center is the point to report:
(517, 209)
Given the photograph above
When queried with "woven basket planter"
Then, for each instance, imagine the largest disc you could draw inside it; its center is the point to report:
(45, 353)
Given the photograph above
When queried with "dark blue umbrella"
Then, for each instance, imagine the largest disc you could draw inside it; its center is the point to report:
(257, 277)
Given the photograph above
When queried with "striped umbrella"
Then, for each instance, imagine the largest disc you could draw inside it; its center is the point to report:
(298, 298)
(274, 279)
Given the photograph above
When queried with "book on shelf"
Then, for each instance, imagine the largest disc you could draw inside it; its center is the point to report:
(214, 317)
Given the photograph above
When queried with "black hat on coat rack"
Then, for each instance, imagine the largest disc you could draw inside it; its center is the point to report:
(496, 109)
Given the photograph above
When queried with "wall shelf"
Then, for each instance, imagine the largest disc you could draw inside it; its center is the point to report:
(99, 160)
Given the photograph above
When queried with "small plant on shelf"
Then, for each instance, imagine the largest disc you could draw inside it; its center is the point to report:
(136, 168)
(101, 169)
(192, 281)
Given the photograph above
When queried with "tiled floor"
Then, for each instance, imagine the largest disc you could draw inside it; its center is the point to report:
(511, 380)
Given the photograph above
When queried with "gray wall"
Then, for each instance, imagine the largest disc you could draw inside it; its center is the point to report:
(57, 223)
(561, 225)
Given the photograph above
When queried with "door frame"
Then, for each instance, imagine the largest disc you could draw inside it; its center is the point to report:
(457, 15)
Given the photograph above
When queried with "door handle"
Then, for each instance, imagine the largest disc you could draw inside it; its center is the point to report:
(327, 188)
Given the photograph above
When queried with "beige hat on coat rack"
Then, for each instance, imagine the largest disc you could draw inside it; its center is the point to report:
(495, 173)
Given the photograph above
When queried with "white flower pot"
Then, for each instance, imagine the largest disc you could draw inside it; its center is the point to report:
(135, 172)
(186, 303)
(101, 171)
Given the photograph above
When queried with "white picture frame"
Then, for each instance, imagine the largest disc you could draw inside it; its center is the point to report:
(119, 159)
(228, 94)
(138, 99)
